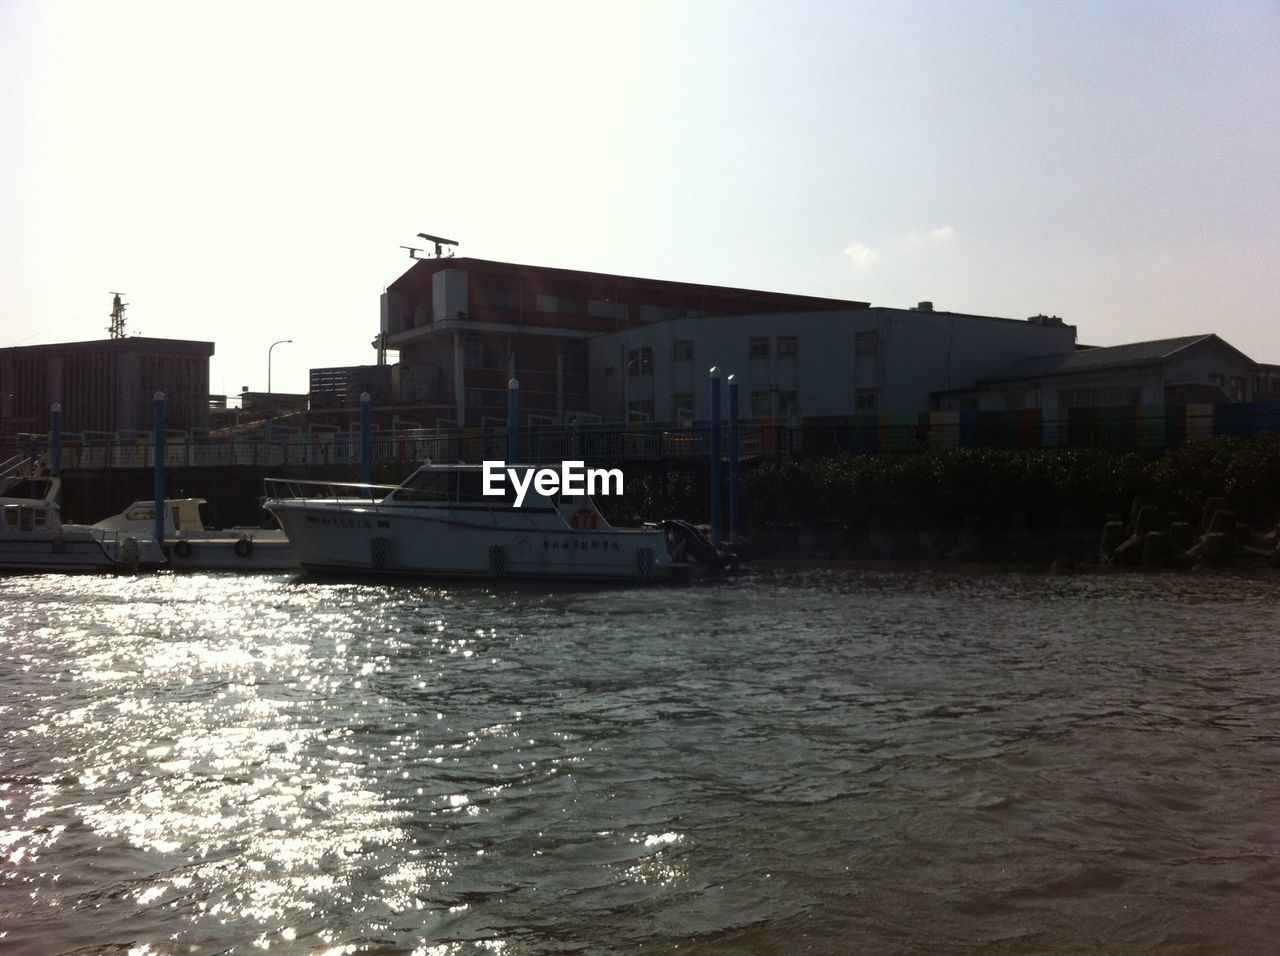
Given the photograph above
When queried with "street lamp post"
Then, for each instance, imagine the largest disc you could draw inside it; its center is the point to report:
(273, 345)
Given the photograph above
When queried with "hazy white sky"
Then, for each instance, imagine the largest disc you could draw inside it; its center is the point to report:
(246, 172)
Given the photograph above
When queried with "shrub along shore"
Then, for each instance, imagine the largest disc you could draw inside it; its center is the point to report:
(996, 504)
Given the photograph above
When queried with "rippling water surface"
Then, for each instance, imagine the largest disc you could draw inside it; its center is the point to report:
(803, 760)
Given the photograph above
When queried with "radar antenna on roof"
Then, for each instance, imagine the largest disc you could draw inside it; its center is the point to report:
(412, 250)
(440, 244)
(116, 328)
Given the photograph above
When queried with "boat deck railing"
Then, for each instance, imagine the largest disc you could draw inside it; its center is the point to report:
(309, 490)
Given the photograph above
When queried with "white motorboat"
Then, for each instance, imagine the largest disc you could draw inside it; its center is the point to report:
(33, 537)
(438, 523)
(193, 547)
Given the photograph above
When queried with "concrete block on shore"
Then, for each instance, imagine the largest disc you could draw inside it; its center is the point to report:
(1148, 520)
(1211, 507)
(1113, 535)
(1130, 550)
(1156, 550)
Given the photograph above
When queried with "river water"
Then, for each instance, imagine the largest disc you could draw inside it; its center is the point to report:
(805, 759)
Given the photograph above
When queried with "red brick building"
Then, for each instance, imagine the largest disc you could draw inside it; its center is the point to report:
(463, 327)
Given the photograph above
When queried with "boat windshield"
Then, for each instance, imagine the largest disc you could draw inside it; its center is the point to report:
(425, 486)
(463, 486)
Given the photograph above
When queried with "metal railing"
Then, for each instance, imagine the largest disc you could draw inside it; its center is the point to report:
(1144, 428)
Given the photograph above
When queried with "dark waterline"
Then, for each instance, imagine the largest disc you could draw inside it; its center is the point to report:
(819, 759)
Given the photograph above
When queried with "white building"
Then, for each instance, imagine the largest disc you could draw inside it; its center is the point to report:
(1193, 368)
(811, 364)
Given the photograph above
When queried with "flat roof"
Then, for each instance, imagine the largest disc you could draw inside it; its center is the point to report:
(136, 343)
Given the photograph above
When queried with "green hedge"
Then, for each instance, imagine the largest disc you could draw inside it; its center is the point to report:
(945, 486)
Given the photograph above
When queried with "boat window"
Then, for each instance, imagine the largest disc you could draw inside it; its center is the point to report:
(424, 486)
(470, 488)
(26, 519)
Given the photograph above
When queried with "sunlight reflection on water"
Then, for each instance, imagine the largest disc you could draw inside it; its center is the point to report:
(250, 762)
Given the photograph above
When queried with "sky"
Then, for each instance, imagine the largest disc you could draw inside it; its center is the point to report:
(247, 172)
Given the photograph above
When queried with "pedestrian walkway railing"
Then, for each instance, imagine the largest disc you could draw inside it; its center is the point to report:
(1132, 428)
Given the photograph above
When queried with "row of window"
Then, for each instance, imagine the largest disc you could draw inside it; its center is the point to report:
(640, 361)
(761, 404)
(785, 347)
(552, 304)
(1093, 397)
(478, 353)
(497, 397)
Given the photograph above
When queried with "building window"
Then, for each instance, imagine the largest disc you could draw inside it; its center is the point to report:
(866, 400)
(788, 346)
(575, 359)
(1237, 388)
(866, 343)
(498, 299)
(561, 304)
(1099, 397)
(761, 406)
(640, 409)
(606, 309)
(476, 354)
(758, 347)
(658, 313)
(682, 405)
(640, 362)
(788, 401)
(682, 350)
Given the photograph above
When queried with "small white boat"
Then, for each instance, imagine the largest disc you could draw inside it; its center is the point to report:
(33, 537)
(193, 547)
(438, 523)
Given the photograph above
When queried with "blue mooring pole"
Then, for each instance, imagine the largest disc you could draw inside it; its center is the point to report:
(159, 468)
(716, 528)
(734, 497)
(513, 421)
(366, 441)
(55, 445)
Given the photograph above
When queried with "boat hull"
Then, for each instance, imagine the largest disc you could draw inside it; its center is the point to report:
(68, 551)
(336, 539)
(264, 551)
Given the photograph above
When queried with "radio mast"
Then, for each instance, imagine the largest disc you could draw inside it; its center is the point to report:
(116, 328)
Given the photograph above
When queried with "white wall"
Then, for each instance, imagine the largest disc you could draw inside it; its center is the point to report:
(919, 353)
(1198, 363)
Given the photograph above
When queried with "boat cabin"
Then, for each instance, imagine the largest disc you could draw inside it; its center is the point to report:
(30, 504)
(182, 517)
(462, 486)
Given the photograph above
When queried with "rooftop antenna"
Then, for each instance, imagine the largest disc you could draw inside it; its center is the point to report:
(440, 244)
(116, 328)
(412, 250)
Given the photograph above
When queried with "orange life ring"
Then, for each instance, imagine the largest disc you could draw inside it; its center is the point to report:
(584, 519)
